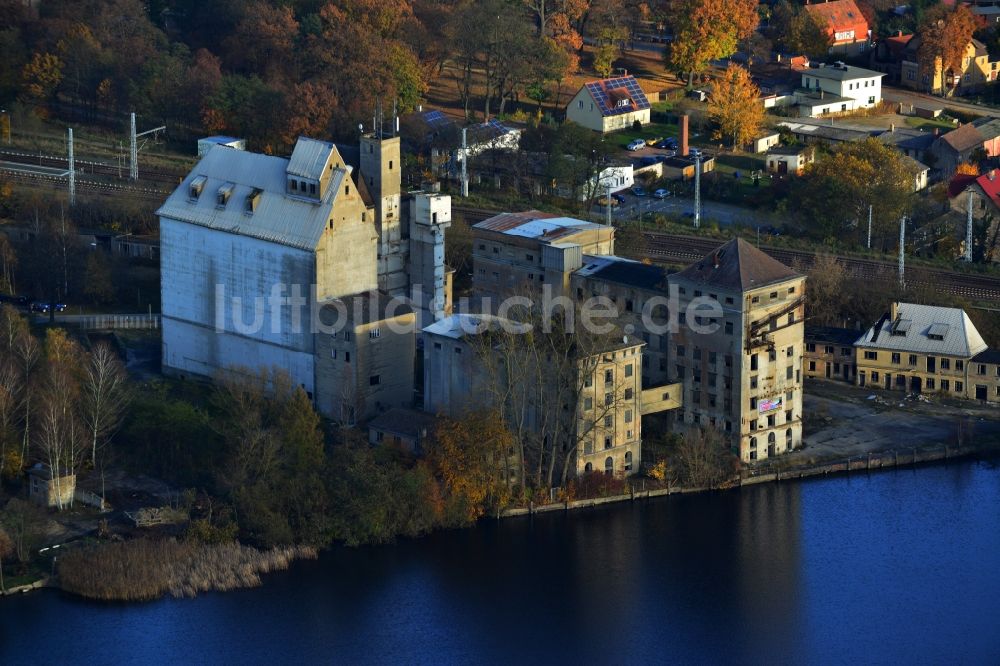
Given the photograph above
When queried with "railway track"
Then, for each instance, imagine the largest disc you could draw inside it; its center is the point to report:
(85, 167)
(675, 248)
(84, 185)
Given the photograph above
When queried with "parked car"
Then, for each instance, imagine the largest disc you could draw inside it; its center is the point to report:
(38, 306)
(603, 201)
(60, 307)
(695, 152)
(638, 191)
(699, 95)
(669, 143)
(654, 141)
(661, 194)
(620, 198)
(637, 144)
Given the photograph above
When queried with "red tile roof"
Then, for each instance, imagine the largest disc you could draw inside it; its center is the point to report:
(990, 182)
(897, 44)
(841, 16)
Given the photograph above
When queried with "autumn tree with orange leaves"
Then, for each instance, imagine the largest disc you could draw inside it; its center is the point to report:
(705, 30)
(944, 35)
(735, 106)
(470, 455)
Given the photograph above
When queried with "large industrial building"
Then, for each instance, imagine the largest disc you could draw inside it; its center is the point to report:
(253, 246)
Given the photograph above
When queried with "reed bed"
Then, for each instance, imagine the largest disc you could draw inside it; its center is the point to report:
(145, 569)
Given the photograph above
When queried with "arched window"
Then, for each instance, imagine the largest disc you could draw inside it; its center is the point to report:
(589, 467)
(609, 465)
(788, 436)
(753, 442)
(770, 438)
(628, 461)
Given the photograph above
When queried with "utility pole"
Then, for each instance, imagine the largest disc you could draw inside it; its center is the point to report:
(608, 202)
(968, 229)
(134, 146)
(133, 153)
(71, 163)
(902, 254)
(869, 227)
(465, 164)
(697, 190)
(5, 126)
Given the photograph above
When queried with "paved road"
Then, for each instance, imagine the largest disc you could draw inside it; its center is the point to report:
(932, 101)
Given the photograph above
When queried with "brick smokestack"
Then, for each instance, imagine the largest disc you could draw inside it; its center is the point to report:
(684, 135)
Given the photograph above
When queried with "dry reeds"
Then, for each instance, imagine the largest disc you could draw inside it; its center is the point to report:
(145, 569)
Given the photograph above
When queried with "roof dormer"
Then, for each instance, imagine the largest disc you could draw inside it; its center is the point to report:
(223, 193)
(196, 186)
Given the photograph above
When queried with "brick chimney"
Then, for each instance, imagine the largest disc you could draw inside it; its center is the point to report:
(684, 135)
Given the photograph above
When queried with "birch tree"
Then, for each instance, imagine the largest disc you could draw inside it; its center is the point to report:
(59, 435)
(105, 396)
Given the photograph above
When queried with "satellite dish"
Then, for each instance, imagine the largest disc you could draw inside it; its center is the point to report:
(361, 127)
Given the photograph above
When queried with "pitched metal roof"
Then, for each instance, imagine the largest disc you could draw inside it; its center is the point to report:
(988, 356)
(925, 329)
(737, 265)
(278, 217)
(309, 158)
(607, 92)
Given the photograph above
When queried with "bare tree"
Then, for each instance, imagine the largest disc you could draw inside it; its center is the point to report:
(105, 393)
(10, 396)
(6, 548)
(27, 351)
(242, 395)
(59, 435)
(538, 375)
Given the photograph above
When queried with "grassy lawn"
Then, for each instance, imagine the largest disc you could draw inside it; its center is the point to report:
(928, 124)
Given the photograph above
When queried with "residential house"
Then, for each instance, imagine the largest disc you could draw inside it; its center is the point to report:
(846, 25)
(984, 191)
(837, 88)
(609, 105)
(963, 143)
(783, 160)
(899, 57)
(742, 372)
(987, 10)
(911, 142)
(919, 349)
(829, 353)
(521, 253)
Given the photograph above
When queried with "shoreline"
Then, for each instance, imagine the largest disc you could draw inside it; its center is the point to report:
(874, 461)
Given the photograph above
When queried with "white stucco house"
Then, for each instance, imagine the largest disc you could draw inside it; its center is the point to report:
(609, 105)
(837, 88)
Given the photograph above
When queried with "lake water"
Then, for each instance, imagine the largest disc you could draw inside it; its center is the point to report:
(900, 566)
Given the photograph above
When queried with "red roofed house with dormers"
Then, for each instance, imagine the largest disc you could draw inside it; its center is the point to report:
(609, 105)
(845, 23)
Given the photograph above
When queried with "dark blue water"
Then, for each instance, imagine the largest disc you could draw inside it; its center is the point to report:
(899, 566)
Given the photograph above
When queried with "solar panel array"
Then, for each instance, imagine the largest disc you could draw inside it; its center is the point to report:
(436, 119)
(599, 91)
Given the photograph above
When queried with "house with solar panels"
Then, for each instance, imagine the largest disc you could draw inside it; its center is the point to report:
(609, 105)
